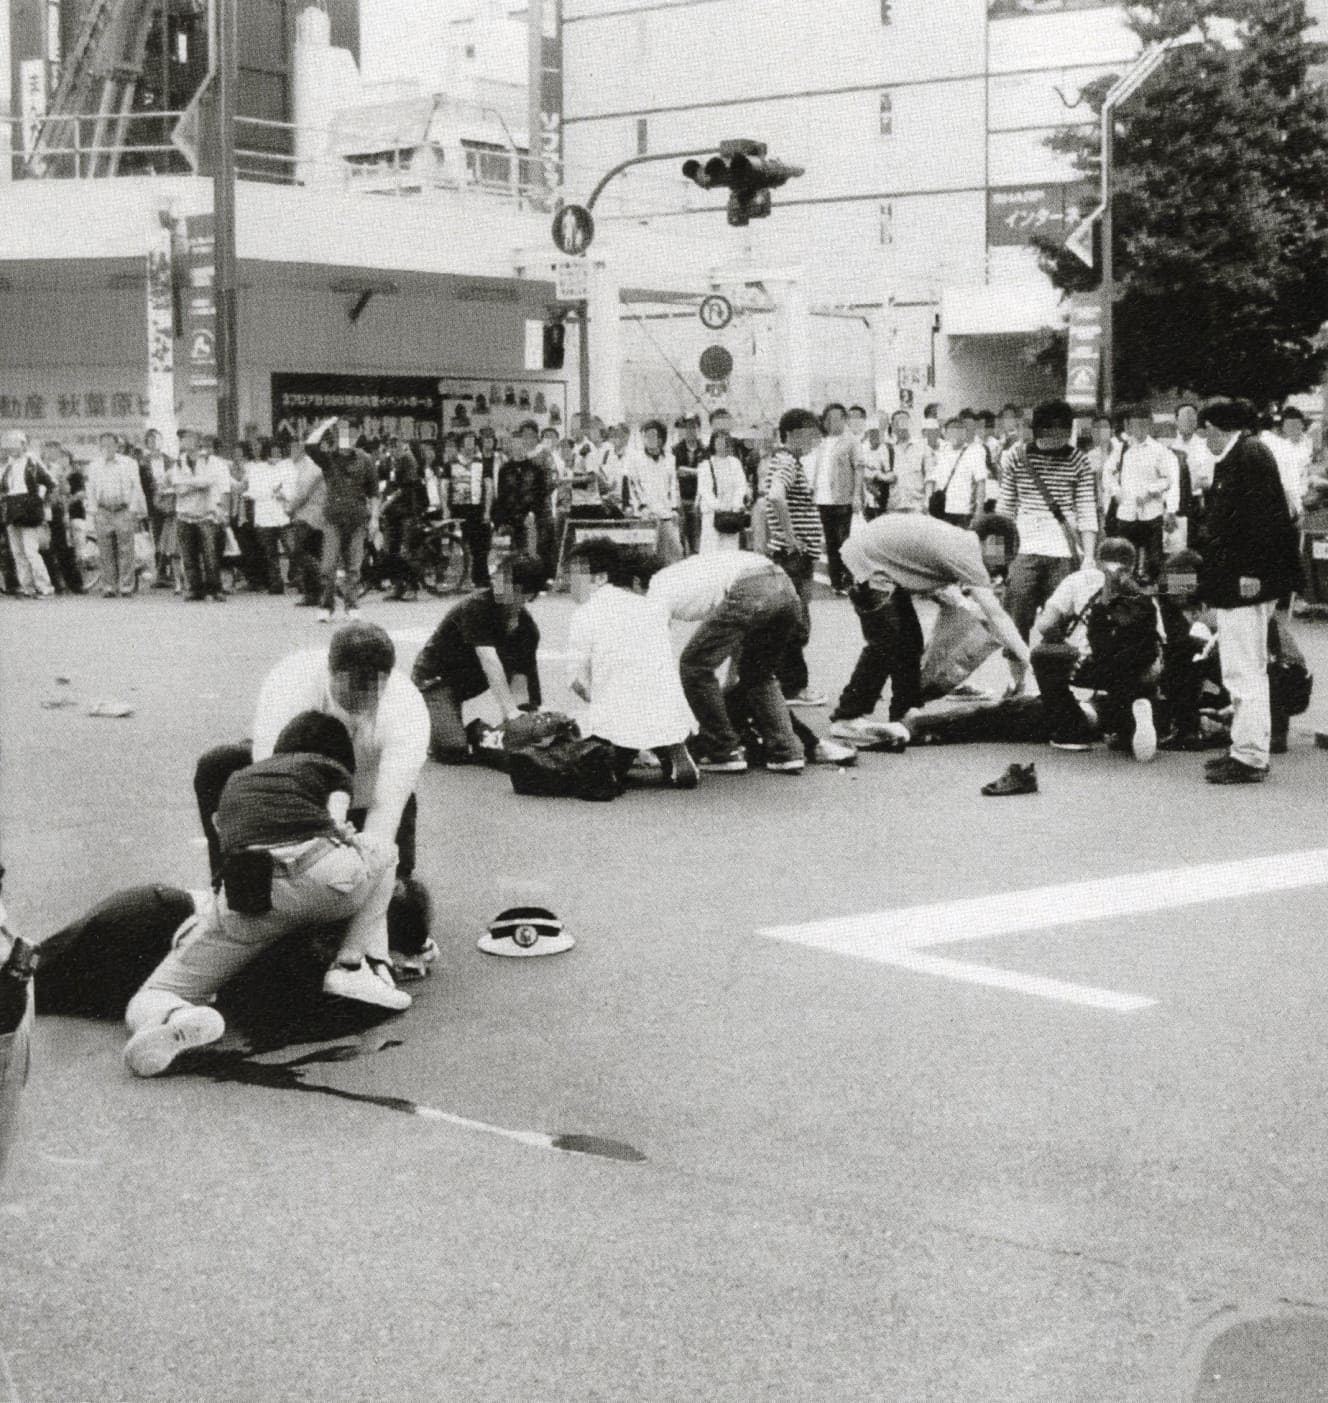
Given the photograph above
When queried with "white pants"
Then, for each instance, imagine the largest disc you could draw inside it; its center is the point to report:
(28, 564)
(1242, 648)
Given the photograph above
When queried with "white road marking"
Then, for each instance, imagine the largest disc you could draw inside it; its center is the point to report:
(896, 937)
(525, 1137)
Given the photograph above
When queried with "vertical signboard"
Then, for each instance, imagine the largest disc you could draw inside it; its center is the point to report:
(200, 303)
(32, 100)
(546, 89)
(1084, 369)
(161, 337)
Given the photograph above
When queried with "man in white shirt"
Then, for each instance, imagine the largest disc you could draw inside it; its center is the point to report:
(269, 481)
(1191, 442)
(303, 502)
(1294, 452)
(654, 479)
(115, 494)
(836, 481)
(913, 465)
(1143, 485)
(959, 470)
(356, 680)
(202, 486)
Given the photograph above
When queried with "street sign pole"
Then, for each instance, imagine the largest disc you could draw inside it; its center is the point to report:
(223, 188)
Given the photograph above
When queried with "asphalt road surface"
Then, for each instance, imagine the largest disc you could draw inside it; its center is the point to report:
(881, 1160)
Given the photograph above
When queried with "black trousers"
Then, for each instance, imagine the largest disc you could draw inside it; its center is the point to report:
(836, 523)
(217, 765)
(892, 652)
(792, 669)
(1146, 537)
(306, 561)
(477, 537)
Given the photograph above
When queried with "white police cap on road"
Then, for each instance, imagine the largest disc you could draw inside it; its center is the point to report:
(522, 932)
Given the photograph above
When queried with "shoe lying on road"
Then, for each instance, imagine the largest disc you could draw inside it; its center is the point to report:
(1229, 771)
(416, 965)
(368, 982)
(1018, 779)
(152, 1050)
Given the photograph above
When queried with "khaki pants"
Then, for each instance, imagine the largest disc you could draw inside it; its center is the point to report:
(317, 883)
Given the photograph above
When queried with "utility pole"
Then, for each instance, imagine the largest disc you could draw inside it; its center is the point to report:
(223, 198)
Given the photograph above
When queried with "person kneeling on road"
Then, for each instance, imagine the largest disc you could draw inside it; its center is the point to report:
(748, 610)
(356, 681)
(289, 860)
(481, 645)
(1100, 632)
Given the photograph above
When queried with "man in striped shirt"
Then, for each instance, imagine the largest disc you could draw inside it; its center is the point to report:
(794, 539)
(1057, 519)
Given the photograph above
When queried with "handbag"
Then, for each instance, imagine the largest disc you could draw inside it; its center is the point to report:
(728, 523)
(936, 502)
(1071, 538)
(960, 644)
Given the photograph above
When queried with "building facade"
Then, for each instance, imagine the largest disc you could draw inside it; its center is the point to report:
(922, 126)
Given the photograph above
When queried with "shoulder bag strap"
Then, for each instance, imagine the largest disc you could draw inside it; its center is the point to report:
(1053, 506)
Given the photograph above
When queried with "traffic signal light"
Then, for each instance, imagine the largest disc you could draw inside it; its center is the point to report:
(743, 168)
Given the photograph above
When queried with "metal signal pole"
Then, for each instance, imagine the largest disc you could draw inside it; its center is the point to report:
(223, 188)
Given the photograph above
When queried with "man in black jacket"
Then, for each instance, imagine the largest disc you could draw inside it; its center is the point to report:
(1250, 561)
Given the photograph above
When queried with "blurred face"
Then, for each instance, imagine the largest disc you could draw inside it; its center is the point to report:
(1216, 438)
(1138, 428)
(1102, 432)
(527, 443)
(189, 443)
(954, 435)
(469, 444)
(153, 440)
(358, 692)
(834, 421)
(801, 442)
(1293, 429)
(1052, 437)
(1187, 419)
(857, 424)
(343, 433)
(902, 426)
(109, 445)
(722, 421)
(1010, 423)
(968, 430)
(507, 591)
(274, 453)
(652, 440)
(689, 431)
(583, 583)
(722, 445)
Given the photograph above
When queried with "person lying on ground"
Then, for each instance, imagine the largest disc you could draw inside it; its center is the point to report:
(290, 860)
(480, 647)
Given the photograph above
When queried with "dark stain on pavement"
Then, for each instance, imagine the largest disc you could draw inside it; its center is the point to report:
(238, 1065)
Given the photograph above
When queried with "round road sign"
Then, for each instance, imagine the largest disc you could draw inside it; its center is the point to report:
(716, 312)
(716, 363)
(573, 229)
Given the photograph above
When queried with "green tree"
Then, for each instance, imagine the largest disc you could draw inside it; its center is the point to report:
(1221, 206)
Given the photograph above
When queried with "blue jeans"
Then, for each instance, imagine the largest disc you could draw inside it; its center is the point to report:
(753, 625)
(1032, 581)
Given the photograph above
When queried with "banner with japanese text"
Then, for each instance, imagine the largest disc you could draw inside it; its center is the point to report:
(405, 406)
(1016, 215)
(200, 303)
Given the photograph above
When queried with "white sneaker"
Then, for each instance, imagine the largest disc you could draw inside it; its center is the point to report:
(1144, 743)
(366, 983)
(324, 616)
(829, 752)
(151, 1050)
(786, 767)
(807, 697)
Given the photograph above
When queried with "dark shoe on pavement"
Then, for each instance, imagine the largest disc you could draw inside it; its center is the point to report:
(1018, 779)
(683, 773)
(1232, 771)
(1278, 746)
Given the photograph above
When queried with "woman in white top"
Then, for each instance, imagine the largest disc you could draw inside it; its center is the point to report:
(721, 486)
(621, 664)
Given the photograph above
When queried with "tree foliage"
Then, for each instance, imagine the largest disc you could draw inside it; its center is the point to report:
(1221, 205)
